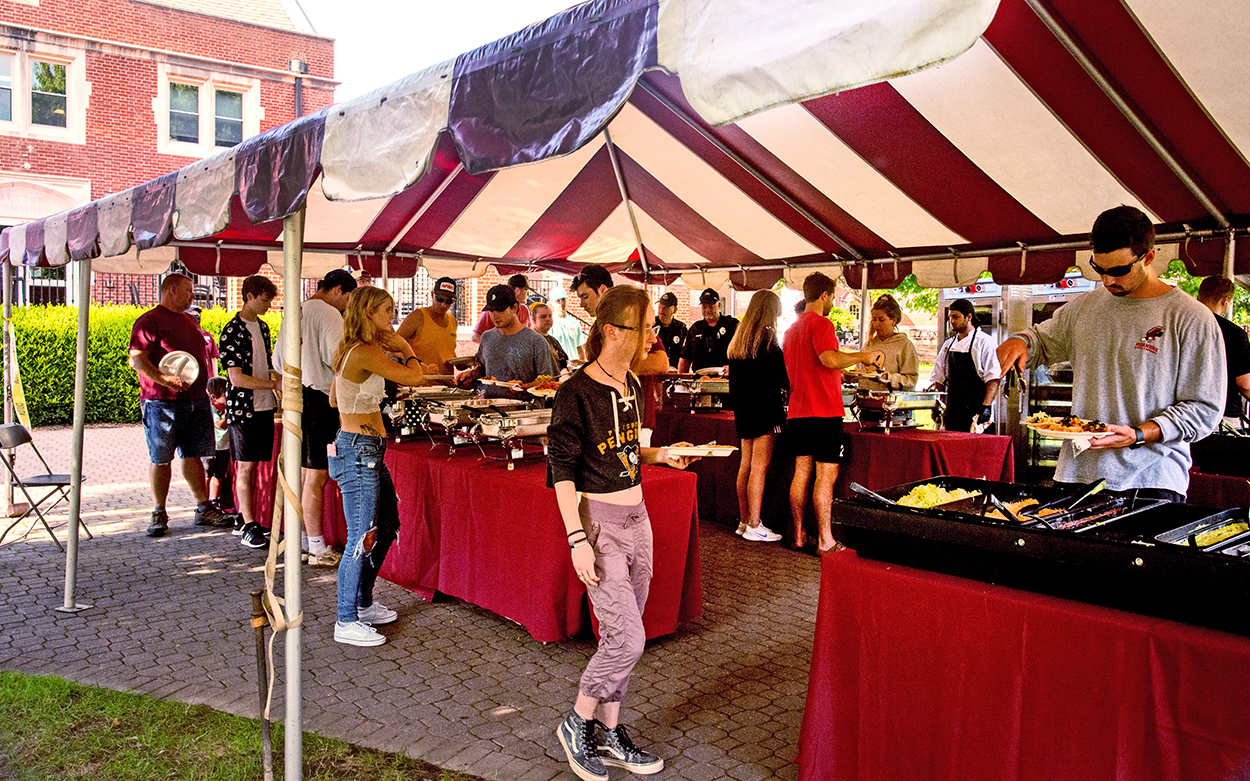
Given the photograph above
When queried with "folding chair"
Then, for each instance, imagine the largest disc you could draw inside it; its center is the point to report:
(13, 436)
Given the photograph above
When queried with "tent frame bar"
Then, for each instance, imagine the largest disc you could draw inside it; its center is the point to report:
(753, 172)
(1129, 113)
(629, 205)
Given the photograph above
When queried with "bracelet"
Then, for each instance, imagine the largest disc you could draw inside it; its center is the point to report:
(576, 531)
(1021, 337)
(410, 358)
(578, 544)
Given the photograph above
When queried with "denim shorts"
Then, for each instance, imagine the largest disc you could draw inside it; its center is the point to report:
(182, 426)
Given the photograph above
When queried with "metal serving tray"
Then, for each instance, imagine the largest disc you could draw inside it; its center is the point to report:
(1118, 564)
(466, 412)
(892, 400)
(1182, 535)
(530, 423)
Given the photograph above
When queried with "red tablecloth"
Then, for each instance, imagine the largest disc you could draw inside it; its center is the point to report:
(917, 676)
(872, 458)
(475, 530)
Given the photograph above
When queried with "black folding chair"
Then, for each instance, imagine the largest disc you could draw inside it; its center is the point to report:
(13, 436)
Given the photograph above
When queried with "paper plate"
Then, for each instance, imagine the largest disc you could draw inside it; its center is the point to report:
(710, 370)
(704, 451)
(502, 384)
(463, 360)
(543, 393)
(1078, 436)
(181, 364)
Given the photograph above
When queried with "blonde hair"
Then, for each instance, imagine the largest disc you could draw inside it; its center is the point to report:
(357, 327)
(758, 328)
(622, 305)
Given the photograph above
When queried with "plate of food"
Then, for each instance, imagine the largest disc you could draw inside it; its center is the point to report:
(461, 361)
(702, 451)
(546, 387)
(711, 371)
(1069, 427)
(513, 384)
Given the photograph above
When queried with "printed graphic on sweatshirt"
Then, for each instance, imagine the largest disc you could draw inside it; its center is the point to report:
(1147, 342)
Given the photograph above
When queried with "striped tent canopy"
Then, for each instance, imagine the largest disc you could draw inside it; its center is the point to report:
(753, 141)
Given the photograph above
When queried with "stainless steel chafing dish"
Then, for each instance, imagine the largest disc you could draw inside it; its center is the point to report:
(454, 413)
(409, 408)
(512, 428)
(891, 402)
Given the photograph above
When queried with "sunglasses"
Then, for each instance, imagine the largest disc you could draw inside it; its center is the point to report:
(1115, 271)
(442, 300)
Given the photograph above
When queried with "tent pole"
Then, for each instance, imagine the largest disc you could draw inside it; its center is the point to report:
(68, 605)
(863, 310)
(292, 421)
(9, 353)
(629, 206)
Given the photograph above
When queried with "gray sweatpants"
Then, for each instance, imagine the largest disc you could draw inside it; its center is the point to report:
(621, 537)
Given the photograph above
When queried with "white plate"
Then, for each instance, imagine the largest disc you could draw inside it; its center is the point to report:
(711, 370)
(543, 393)
(714, 451)
(463, 360)
(1080, 436)
(181, 364)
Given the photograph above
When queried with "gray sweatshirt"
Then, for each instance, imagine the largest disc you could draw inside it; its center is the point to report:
(1159, 359)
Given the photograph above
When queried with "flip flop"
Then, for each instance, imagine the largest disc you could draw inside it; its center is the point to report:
(837, 546)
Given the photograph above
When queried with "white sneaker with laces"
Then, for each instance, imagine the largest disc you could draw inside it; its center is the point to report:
(760, 533)
(357, 633)
(376, 614)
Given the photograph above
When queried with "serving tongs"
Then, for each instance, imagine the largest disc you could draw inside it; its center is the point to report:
(1004, 509)
(859, 489)
(1090, 490)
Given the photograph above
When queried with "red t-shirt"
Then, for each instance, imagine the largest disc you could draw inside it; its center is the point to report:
(484, 323)
(159, 331)
(815, 390)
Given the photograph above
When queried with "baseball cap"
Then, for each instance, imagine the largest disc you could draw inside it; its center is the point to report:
(445, 285)
(709, 296)
(338, 278)
(499, 298)
(518, 281)
(668, 299)
(558, 294)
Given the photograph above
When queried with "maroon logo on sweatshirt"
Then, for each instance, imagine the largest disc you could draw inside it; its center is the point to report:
(1147, 342)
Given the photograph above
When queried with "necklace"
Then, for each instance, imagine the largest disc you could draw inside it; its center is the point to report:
(621, 380)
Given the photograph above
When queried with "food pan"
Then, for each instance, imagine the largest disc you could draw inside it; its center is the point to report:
(892, 400)
(1185, 535)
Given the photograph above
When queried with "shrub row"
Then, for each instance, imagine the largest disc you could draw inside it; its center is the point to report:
(45, 337)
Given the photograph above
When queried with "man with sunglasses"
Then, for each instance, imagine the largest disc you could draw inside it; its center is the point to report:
(1147, 360)
(431, 330)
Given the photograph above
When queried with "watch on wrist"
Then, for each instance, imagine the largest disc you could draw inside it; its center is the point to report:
(1141, 438)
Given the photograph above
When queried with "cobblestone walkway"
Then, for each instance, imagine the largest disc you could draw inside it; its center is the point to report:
(455, 685)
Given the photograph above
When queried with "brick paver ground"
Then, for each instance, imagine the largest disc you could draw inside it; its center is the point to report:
(454, 685)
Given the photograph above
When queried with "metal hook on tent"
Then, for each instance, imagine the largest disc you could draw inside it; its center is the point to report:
(1024, 254)
(217, 262)
(954, 262)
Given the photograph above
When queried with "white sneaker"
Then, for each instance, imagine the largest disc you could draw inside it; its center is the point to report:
(760, 533)
(357, 633)
(742, 527)
(377, 614)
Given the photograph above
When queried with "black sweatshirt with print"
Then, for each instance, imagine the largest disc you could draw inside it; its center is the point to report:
(593, 436)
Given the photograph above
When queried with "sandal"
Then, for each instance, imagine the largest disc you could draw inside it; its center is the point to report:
(837, 546)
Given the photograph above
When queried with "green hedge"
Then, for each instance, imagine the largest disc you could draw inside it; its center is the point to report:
(45, 337)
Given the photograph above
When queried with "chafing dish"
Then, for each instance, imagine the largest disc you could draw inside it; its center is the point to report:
(408, 409)
(454, 413)
(1112, 554)
(890, 403)
(512, 428)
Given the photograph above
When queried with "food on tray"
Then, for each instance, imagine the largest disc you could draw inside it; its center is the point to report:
(930, 495)
(545, 383)
(1040, 421)
(1016, 507)
(1218, 534)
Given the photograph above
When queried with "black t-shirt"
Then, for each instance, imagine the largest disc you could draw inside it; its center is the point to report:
(1237, 351)
(707, 345)
(673, 337)
(593, 436)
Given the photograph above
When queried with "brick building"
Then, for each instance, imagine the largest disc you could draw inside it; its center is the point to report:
(97, 96)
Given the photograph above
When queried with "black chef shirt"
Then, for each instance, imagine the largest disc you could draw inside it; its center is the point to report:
(1237, 351)
(673, 337)
(706, 345)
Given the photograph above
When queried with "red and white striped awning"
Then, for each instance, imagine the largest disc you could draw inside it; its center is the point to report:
(706, 140)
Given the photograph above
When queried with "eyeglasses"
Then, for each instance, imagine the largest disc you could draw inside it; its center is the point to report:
(1115, 271)
(654, 330)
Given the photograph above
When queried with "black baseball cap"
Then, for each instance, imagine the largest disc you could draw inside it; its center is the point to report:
(709, 296)
(445, 286)
(668, 299)
(499, 298)
(338, 278)
(518, 281)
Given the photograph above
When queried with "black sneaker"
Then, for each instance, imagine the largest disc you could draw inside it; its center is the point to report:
(617, 749)
(160, 523)
(208, 515)
(577, 735)
(236, 519)
(254, 536)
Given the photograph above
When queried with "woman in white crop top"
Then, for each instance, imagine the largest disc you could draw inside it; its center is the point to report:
(363, 362)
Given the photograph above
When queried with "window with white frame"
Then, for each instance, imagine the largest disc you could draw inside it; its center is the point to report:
(198, 113)
(44, 93)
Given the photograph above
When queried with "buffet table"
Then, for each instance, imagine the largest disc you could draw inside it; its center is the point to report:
(918, 675)
(475, 530)
(873, 459)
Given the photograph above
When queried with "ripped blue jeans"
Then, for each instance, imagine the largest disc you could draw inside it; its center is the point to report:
(369, 502)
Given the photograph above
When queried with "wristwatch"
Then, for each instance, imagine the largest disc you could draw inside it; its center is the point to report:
(1141, 438)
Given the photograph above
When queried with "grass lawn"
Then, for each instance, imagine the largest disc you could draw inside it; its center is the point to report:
(52, 728)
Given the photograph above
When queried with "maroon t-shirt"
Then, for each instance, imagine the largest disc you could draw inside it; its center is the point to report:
(160, 331)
